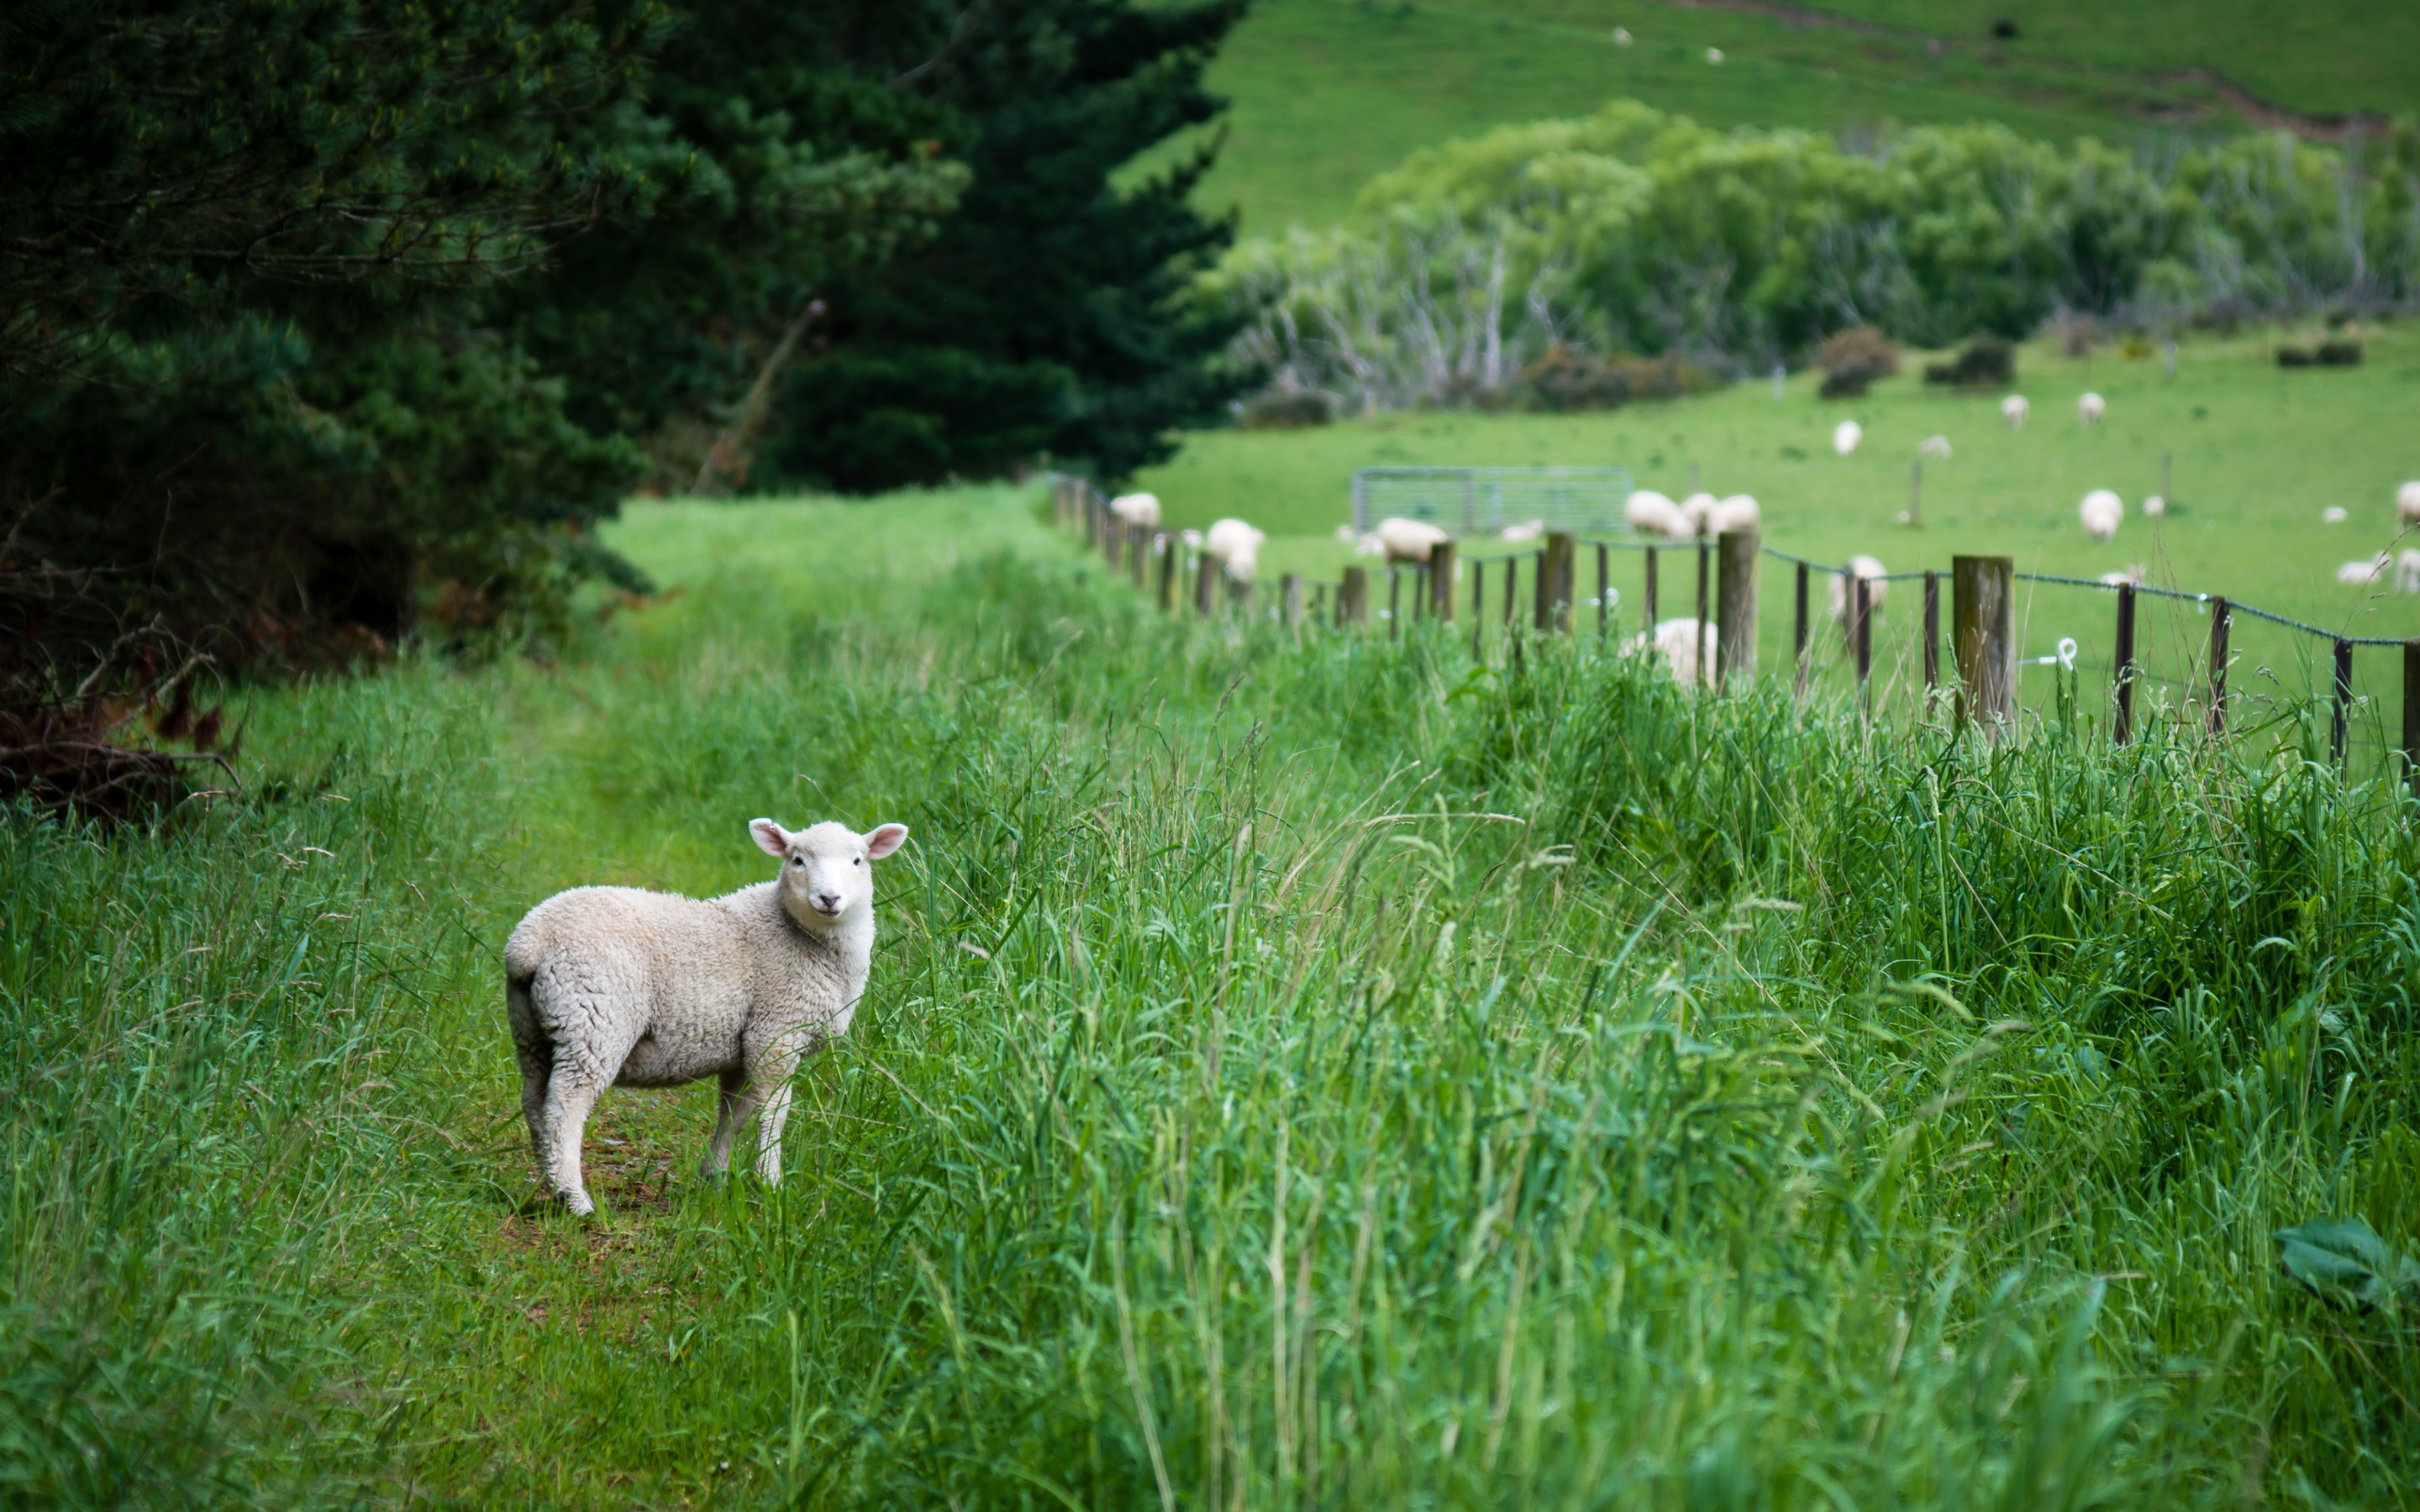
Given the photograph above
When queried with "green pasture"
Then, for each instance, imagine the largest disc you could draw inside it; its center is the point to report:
(2256, 454)
(1298, 1070)
(1327, 93)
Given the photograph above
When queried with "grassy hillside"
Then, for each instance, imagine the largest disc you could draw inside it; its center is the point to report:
(1296, 1072)
(1329, 92)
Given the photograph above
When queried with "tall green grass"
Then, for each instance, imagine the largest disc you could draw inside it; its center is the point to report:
(1298, 1072)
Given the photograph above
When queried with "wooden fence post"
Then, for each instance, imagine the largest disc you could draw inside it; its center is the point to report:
(1647, 600)
(1205, 583)
(1798, 645)
(1512, 592)
(1604, 588)
(1289, 600)
(1980, 595)
(2411, 712)
(1704, 661)
(1137, 558)
(1931, 635)
(2122, 727)
(1319, 603)
(1394, 599)
(1558, 570)
(2220, 619)
(1863, 600)
(1735, 606)
(1353, 596)
(1443, 572)
(2344, 699)
(1168, 553)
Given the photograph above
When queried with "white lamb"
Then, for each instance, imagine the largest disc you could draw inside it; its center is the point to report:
(2333, 515)
(2013, 410)
(1845, 437)
(1654, 514)
(2100, 511)
(1527, 529)
(1876, 589)
(2407, 571)
(1408, 540)
(1737, 512)
(2407, 503)
(1137, 509)
(1697, 509)
(1935, 446)
(620, 987)
(1236, 545)
(2155, 506)
(2090, 408)
(1678, 642)
(2364, 572)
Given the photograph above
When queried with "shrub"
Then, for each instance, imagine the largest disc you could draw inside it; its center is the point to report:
(1853, 359)
(1297, 410)
(2339, 354)
(2293, 357)
(1565, 381)
(1987, 362)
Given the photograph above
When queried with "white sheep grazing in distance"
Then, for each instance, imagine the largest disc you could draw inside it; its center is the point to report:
(1697, 509)
(2407, 503)
(1137, 509)
(1737, 512)
(2013, 410)
(1408, 540)
(1654, 514)
(1845, 437)
(1876, 588)
(2090, 408)
(621, 987)
(2407, 572)
(2155, 506)
(1935, 446)
(2364, 572)
(2333, 515)
(1678, 642)
(1236, 545)
(2100, 511)
(1527, 529)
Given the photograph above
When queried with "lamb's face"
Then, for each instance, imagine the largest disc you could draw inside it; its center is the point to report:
(827, 868)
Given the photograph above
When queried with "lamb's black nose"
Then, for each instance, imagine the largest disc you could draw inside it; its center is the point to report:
(827, 902)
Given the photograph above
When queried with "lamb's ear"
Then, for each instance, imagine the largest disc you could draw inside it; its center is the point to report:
(770, 837)
(883, 838)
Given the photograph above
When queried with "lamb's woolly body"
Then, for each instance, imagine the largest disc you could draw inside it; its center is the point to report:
(622, 987)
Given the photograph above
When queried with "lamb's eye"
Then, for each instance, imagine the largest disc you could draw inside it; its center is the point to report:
(860, 862)
(798, 861)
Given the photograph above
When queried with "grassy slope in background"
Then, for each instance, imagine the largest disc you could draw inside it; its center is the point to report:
(1239, 1100)
(1328, 93)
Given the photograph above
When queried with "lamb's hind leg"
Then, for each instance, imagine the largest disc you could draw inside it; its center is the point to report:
(536, 1053)
(568, 1099)
(731, 1088)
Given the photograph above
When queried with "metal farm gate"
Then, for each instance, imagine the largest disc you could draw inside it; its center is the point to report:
(1482, 500)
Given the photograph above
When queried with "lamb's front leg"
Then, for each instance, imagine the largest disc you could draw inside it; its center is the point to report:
(768, 1083)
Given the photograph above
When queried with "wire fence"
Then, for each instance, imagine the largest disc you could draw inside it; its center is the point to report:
(2098, 654)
